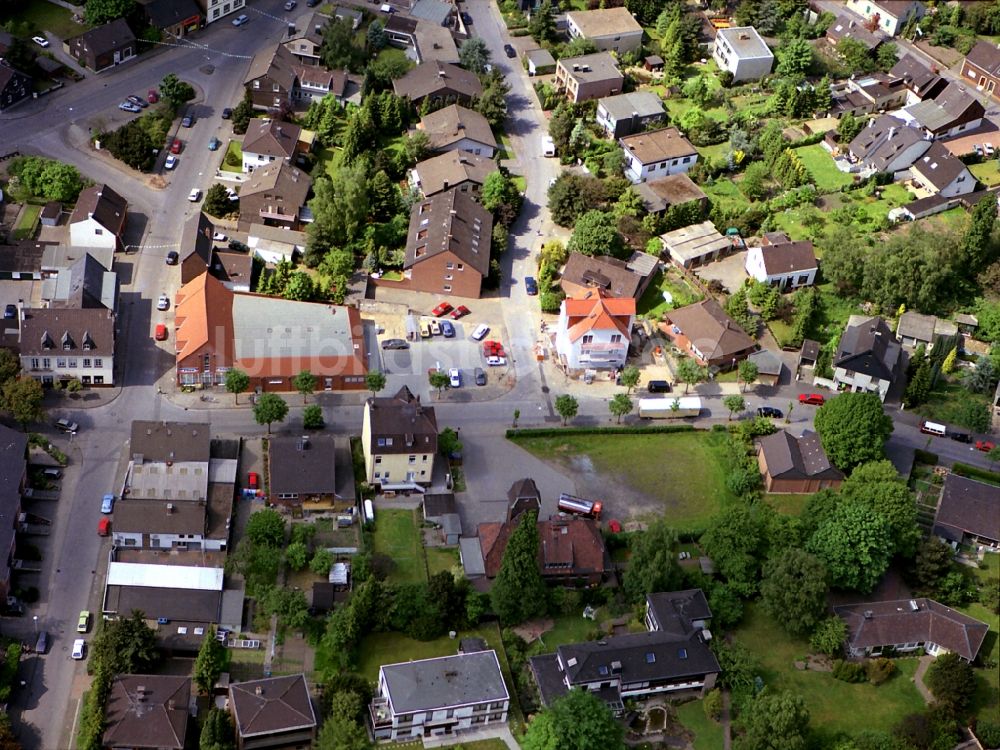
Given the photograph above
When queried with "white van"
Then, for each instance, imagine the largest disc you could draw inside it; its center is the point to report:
(933, 428)
(548, 146)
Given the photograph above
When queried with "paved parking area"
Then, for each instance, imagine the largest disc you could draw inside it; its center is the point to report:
(729, 271)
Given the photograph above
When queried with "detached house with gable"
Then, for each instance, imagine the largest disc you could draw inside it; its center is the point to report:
(705, 331)
(868, 357)
(657, 153)
(99, 219)
(982, 68)
(595, 331)
(68, 344)
(795, 464)
(953, 112)
(785, 265)
(104, 46)
(889, 16)
(457, 128)
(271, 79)
(267, 140)
(399, 438)
(943, 173)
(887, 144)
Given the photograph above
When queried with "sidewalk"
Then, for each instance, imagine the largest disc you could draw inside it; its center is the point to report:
(497, 733)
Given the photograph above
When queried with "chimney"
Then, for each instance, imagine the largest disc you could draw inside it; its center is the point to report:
(171, 705)
(446, 184)
(170, 508)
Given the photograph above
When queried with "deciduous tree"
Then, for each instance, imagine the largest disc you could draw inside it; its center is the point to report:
(879, 486)
(952, 681)
(736, 542)
(853, 429)
(855, 545)
(304, 383)
(474, 55)
(978, 249)
(312, 417)
(375, 381)
(22, 397)
(578, 720)
(270, 407)
(734, 403)
(793, 590)
(236, 382)
(266, 528)
(519, 593)
(98, 12)
(689, 373)
(828, 636)
(795, 58)
(775, 721)
(747, 372)
(653, 563)
(629, 378)
(438, 380)
(596, 233)
(210, 663)
(175, 90)
(566, 406)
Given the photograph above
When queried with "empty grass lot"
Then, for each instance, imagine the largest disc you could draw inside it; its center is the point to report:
(824, 172)
(441, 559)
(397, 536)
(233, 159)
(44, 16)
(681, 474)
(988, 172)
(707, 733)
(986, 700)
(724, 192)
(652, 303)
(947, 403)
(834, 706)
(791, 504)
(25, 227)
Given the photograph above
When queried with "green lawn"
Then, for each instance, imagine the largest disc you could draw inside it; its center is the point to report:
(480, 745)
(505, 149)
(441, 559)
(520, 182)
(946, 403)
(790, 504)
(988, 172)
(824, 172)
(233, 159)
(25, 227)
(397, 535)
(834, 706)
(871, 212)
(652, 303)
(724, 192)
(987, 696)
(44, 16)
(658, 466)
(389, 53)
(716, 153)
(707, 733)
(326, 163)
(831, 314)
(572, 628)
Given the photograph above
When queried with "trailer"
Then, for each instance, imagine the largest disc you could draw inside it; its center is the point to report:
(369, 511)
(669, 408)
(579, 506)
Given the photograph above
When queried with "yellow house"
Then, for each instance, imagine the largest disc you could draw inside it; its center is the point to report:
(399, 437)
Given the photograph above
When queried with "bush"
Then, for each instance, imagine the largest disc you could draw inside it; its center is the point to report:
(542, 432)
(879, 670)
(974, 472)
(848, 671)
(988, 733)
(551, 301)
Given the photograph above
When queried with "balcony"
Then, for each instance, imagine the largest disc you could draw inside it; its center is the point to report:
(617, 347)
(380, 712)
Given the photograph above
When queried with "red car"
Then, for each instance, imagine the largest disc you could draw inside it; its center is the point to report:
(253, 480)
(985, 446)
(443, 309)
(811, 398)
(161, 332)
(104, 527)
(152, 97)
(460, 312)
(493, 349)
(176, 146)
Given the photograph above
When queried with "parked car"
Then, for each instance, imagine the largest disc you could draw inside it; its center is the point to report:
(530, 286)
(978, 149)
(66, 425)
(658, 386)
(152, 96)
(52, 473)
(173, 258)
(160, 334)
(290, 5)
(466, 19)
(227, 112)
(240, 19)
(137, 100)
(460, 312)
(985, 445)
(509, 51)
(496, 361)
(990, 151)
(219, 237)
(163, 303)
(187, 121)
(107, 503)
(10, 312)
(176, 146)
(129, 107)
(41, 41)
(480, 375)
(214, 143)
(395, 344)
(442, 309)
(253, 480)
(79, 646)
(435, 328)
(312, 3)
(769, 411)
(493, 349)
(171, 162)
(447, 329)
(960, 437)
(454, 378)
(104, 527)
(480, 333)
(814, 399)
(42, 642)
(194, 195)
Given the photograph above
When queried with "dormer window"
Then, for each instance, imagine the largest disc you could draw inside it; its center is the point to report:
(47, 342)
(88, 342)
(67, 341)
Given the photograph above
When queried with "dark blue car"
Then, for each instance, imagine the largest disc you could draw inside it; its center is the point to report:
(447, 329)
(530, 285)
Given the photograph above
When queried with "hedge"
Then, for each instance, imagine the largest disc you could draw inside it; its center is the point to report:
(537, 432)
(974, 472)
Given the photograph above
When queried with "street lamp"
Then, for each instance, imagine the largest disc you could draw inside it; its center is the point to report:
(35, 618)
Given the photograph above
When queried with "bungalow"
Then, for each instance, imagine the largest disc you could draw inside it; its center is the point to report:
(954, 111)
(610, 29)
(625, 114)
(671, 657)
(440, 82)
(461, 170)
(399, 437)
(982, 68)
(657, 153)
(943, 173)
(874, 628)
(15, 86)
(98, 219)
(594, 331)
(788, 265)
(664, 193)
(275, 712)
(769, 367)
(968, 513)
(915, 329)
(103, 47)
(889, 16)
(796, 464)
(456, 128)
(867, 358)
(588, 77)
(696, 244)
(743, 52)
(709, 335)
(583, 274)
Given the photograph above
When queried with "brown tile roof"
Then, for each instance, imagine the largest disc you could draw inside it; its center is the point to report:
(278, 65)
(895, 8)
(599, 66)
(160, 516)
(450, 222)
(968, 506)
(602, 272)
(430, 78)
(272, 705)
(894, 623)
(236, 268)
(707, 326)
(853, 27)
(672, 190)
(405, 421)
(790, 457)
(919, 77)
(302, 465)
(452, 124)
(110, 36)
(196, 239)
(170, 441)
(203, 309)
(657, 145)
(938, 166)
(88, 332)
(147, 711)
(566, 546)
(788, 257)
(280, 179)
(318, 77)
(102, 204)
(986, 56)
(452, 168)
(271, 137)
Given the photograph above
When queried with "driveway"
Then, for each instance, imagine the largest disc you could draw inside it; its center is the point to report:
(729, 271)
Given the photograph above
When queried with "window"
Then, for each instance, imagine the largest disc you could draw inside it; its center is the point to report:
(616, 338)
(413, 459)
(447, 287)
(449, 266)
(588, 339)
(461, 266)
(449, 277)
(60, 363)
(423, 457)
(34, 363)
(98, 362)
(98, 380)
(663, 165)
(378, 459)
(378, 474)
(86, 363)
(686, 159)
(72, 364)
(275, 87)
(98, 231)
(256, 84)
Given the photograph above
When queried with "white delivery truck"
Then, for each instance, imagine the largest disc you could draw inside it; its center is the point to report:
(669, 408)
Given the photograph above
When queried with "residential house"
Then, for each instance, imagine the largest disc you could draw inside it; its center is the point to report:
(303, 473)
(99, 218)
(889, 16)
(968, 513)
(267, 140)
(275, 712)
(879, 90)
(672, 657)
(854, 27)
(982, 68)
(743, 52)
(197, 246)
(22, 261)
(915, 329)
(399, 437)
(867, 358)
(523, 497)
(584, 274)
(459, 170)
(434, 11)
(630, 113)
(657, 153)
(353, 16)
(922, 82)
(594, 331)
(588, 77)
(147, 712)
(448, 245)
(13, 481)
(795, 464)
(429, 41)
(540, 62)
(314, 82)
(709, 335)
(274, 244)
(216, 9)
(440, 82)
(439, 697)
(902, 626)
(942, 173)
(769, 367)
(305, 42)
(440, 509)
(789, 265)
(664, 193)
(696, 244)
(189, 594)
(270, 339)
(104, 46)
(610, 29)
(952, 112)
(62, 344)
(887, 144)
(174, 18)
(15, 86)
(271, 78)
(274, 195)
(84, 284)
(233, 269)
(456, 128)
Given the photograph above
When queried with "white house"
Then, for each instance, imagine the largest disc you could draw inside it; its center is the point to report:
(62, 344)
(267, 140)
(657, 153)
(439, 697)
(98, 219)
(943, 173)
(890, 15)
(742, 52)
(610, 29)
(788, 265)
(594, 331)
(216, 9)
(867, 358)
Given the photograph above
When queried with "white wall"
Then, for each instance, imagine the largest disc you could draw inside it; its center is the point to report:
(636, 171)
(216, 9)
(861, 382)
(59, 365)
(88, 233)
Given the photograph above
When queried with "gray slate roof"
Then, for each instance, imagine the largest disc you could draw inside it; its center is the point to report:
(271, 705)
(789, 457)
(869, 348)
(968, 506)
(939, 166)
(170, 441)
(444, 682)
(302, 466)
(635, 103)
